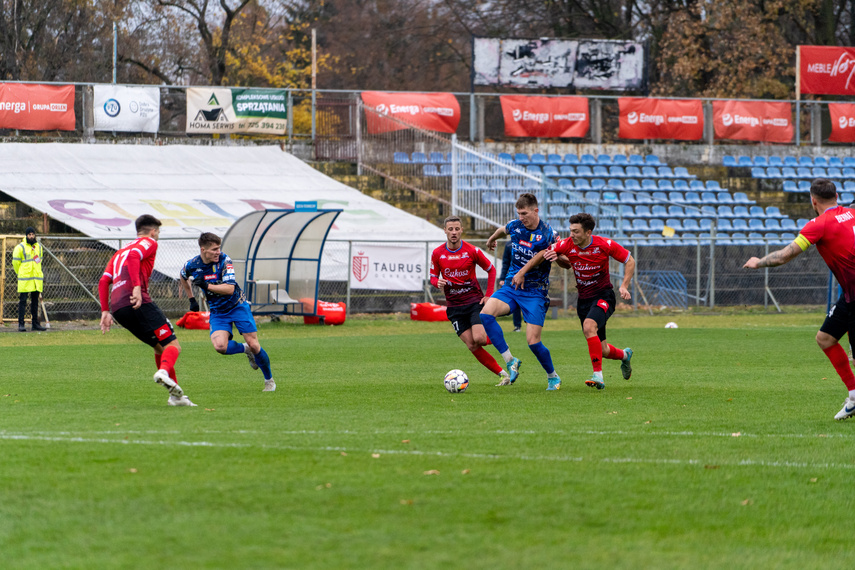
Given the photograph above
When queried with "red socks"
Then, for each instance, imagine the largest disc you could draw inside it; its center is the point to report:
(614, 353)
(595, 349)
(166, 361)
(488, 361)
(840, 360)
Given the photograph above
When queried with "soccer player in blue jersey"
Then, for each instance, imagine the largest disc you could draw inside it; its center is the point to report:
(212, 272)
(529, 235)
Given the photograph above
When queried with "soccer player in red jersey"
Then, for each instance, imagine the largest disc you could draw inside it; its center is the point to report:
(452, 269)
(588, 255)
(832, 231)
(128, 272)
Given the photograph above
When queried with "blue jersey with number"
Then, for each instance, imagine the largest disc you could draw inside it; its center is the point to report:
(215, 273)
(526, 244)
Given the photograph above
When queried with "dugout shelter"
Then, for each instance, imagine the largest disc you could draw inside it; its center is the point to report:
(277, 257)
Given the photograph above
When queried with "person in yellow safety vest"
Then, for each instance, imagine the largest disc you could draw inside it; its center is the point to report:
(27, 262)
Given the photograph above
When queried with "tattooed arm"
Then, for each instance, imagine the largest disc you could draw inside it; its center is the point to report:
(775, 258)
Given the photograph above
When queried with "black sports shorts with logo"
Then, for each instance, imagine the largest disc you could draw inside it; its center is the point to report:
(598, 309)
(148, 323)
(464, 317)
(840, 320)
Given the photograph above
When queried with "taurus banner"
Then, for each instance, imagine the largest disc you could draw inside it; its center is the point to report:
(126, 109)
(221, 110)
(842, 122)
(753, 121)
(388, 267)
(545, 117)
(827, 70)
(432, 111)
(660, 119)
(36, 107)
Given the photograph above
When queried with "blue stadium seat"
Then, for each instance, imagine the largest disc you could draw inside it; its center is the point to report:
(848, 172)
(656, 225)
(635, 172)
(729, 160)
(497, 184)
(582, 184)
(625, 211)
(445, 170)
(572, 159)
(419, 158)
(557, 211)
(617, 172)
(709, 211)
(705, 224)
(789, 172)
(674, 223)
(551, 170)
(598, 184)
(516, 183)
(697, 185)
(787, 237)
(466, 169)
(774, 212)
(676, 212)
(508, 197)
(773, 225)
(817, 172)
(791, 161)
(849, 161)
(401, 158)
(533, 169)
(691, 225)
(653, 160)
(739, 238)
(834, 172)
(601, 171)
(479, 183)
(758, 172)
(704, 198)
(740, 225)
(636, 159)
(588, 159)
(620, 160)
(790, 186)
(806, 161)
(522, 159)
(430, 170)
(489, 198)
(642, 211)
(801, 222)
(638, 239)
(741, 198)
(665, 185)
(835, 161)
(713, 185)
(756, 225)
(615, 184)
(771, 237)
(483, 169)
(555, 159)
(788, 224)
(723, 225)
(666, 172)
(776, 161)
(676, 197)
(640, 225)
(538, 158)
(773, 172)
(660, 197)
(744, 161)
(649, 185)
(632, 184)
(740, 212)
(804, 185)
(584, 170)
(820, 161)
(439, 158)
(567, 170)
(757, 212)
(847, 198)
(692, 198)
(724, 212)
(627, 198)
(725, 198)
(683, 172)
(529, 184)
(643, 197)
(609, 196)
(761, 161)
(604, 159)
(681, 185)
(593, 197)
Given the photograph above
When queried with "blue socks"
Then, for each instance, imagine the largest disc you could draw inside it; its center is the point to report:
(494, 331)
(234, 348)
(543, 356)
(263, 362)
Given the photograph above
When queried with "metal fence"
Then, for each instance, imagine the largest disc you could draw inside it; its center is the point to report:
(676, 274)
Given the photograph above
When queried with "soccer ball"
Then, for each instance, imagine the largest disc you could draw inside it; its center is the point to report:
(456, 381)
(671, 325)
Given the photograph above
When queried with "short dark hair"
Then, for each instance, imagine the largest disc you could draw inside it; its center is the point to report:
(527, 200)
(147, 222)
(824, 190)
(586, 220)
(209, 238)
(450, 219)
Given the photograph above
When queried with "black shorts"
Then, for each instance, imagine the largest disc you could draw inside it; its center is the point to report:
(598, 309)
(464, 317)
(839, 320)
(148, 323)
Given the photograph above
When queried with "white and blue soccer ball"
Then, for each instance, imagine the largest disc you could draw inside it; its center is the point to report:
(456, 381)
(671, 325)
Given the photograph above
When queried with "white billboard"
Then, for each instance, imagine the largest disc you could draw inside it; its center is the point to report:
(126, 109)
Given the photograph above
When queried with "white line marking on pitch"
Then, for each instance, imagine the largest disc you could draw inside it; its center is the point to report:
(637, 460)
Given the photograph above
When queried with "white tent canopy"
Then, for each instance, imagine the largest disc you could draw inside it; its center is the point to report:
(99, 189)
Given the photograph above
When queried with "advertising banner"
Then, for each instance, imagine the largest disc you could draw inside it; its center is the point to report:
(36, 107)
(432, 111)
(660, 119)
(753, 121)
(827, 70)
(222, 110)
(126, 109)
(842, 122)
(545, 117)
(388, 267)
(546, 62)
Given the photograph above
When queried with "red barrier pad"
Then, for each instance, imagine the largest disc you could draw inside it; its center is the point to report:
(427, 312)
(195, 320)
(333, 313)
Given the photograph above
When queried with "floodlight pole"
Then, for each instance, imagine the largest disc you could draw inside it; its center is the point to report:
(115, 50)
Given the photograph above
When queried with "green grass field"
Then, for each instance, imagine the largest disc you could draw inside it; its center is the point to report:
(721, 451)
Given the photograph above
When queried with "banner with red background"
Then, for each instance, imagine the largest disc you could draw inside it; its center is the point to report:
(36, 107)
(827, 70)
(753, 121)
(545, 117)
(842, 122)
(660, 119)
(432, 111)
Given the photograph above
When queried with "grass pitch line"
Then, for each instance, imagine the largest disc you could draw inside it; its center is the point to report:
(412, 452)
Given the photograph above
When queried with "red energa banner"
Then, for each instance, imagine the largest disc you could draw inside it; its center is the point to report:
(660, 119)
(546, 117)
(842, 122)
(432, 111)
(753, 121)
(827, 70)
(36, 107)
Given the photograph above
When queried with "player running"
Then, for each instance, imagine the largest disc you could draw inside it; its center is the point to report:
(529, 236)
(452, 269)
(589, 255)
(128, 272)
(212, 272)
(833, 234)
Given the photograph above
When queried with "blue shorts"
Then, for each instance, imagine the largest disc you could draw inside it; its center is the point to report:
(240, 316)
(533, 302)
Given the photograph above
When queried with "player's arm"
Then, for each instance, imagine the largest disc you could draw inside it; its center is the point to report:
(435, 275)
(491, 241)
(628, 272)
(487, 265)
(562, 260)
(185, 286)
(780, 257)
(519, 278)
(104, 296)
(221, 288)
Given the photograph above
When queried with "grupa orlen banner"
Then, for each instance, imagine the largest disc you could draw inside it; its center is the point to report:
(438, 112)
(545, 117)
(126, 109)
(30, 107)
(753, 121)
(644, 118)
(842, 122)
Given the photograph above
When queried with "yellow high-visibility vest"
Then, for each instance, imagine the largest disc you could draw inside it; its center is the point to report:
(27, 263)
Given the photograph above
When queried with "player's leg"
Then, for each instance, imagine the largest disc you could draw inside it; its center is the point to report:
(593, 321)
(836, 324)
(517, 316)
(475, 338)
(245, 324)
(534, 307)
(501, 303)
(610, 352)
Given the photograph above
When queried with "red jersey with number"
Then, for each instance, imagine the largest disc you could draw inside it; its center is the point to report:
(130, 266)
(458, 268)
(833, 234)
(591, 264)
